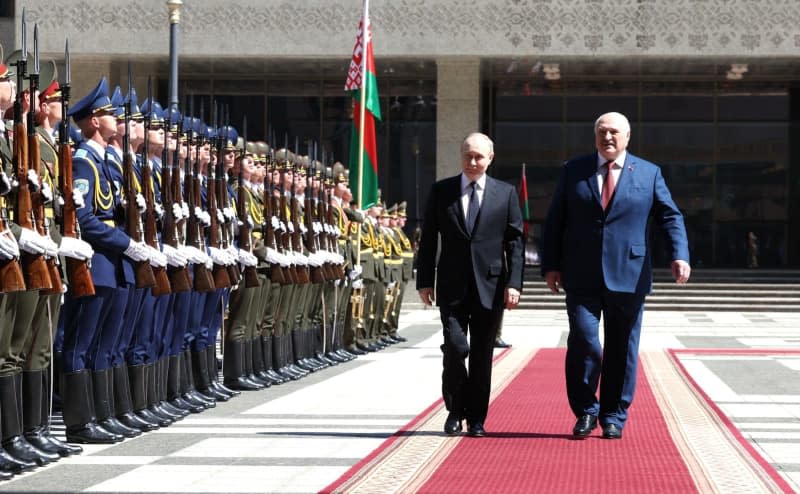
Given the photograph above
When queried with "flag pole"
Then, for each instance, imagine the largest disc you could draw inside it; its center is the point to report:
(362, 103)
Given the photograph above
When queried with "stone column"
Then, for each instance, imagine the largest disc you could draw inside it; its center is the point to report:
(458, 96)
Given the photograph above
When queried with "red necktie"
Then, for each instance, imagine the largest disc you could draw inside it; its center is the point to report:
(609, 184)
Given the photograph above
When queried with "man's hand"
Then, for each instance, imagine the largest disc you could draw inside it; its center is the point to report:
(427, 296)
(553, 280)
(511, 298)
(681, 271)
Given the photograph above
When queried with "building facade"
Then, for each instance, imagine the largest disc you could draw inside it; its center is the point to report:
(712, 88)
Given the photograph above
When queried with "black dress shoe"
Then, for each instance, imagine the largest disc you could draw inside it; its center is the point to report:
(499, 343)
(476, 430)
(585, 425)
(611, 431)
(452, 425)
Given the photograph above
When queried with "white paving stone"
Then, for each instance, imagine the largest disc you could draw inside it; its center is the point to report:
(281, 447)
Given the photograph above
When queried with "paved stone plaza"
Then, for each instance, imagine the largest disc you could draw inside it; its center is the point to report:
(302, 436)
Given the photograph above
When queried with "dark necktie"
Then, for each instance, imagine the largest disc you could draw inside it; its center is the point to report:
(473, 208)
(609, 184)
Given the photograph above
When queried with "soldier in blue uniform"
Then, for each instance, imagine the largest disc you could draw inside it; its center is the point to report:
(87, 321)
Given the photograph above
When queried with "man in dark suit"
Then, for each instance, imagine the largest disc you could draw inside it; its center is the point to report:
(596, 248)
(478, 225)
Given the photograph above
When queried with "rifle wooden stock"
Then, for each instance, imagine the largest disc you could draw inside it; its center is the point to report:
(39, 217)
(222, 192)
(79, 276)
(276, 274)
(250, 274)
(219, 271)
(297, 243)
(34, 267)
(11, 277)
(179, 279)
(162, 285)
(142, 269)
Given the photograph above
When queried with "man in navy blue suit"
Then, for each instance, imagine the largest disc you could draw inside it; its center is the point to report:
(477, 223)
(596, 248)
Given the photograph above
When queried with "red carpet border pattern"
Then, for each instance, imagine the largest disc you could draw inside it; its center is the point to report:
(675, 441)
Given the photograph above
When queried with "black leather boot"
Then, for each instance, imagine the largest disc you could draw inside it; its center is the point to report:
(202, 379)
(155, 393)
(175, 387)
(213, 372)
(190, 393)
(269, 367)
(123, 406)
(36, 423)
(233, 368)
(11, 411)
(139, 399)
(103, 381)
(77, 394)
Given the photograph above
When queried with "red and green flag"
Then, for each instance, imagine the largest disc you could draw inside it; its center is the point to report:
(363, 87)
(523, 201)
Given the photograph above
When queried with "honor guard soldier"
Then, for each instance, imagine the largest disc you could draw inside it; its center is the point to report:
(399, 222)
(83, 319)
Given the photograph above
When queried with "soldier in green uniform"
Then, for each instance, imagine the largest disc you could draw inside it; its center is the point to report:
(407, 271)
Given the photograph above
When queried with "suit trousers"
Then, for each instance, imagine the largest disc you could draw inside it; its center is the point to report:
(612, 365)
(466, 385)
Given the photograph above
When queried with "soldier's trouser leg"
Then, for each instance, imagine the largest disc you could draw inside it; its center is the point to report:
(210, 320)
(394, 316)
(38, 353)
(20, 336)
(235, 340)
(193, 337)
(129, 325)
(141, 348)
(107, 337)
(82, 319)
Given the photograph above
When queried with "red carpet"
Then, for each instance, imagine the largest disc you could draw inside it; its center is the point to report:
(530, 449)
(675, 442)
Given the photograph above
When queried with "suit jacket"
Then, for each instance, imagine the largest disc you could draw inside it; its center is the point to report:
(492, 254)
(593, 248)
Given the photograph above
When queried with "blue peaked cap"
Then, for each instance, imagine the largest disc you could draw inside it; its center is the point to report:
(97, 100)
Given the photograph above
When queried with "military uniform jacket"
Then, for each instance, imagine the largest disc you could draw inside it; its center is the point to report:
(407, 253)
(92, 177)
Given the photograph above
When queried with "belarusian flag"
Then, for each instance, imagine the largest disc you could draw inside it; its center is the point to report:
(363, 87)
(523, 201)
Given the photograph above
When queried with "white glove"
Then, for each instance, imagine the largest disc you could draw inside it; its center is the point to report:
(204, 217)
(141, 203)
(291, 227)
(157, 258)
(233, 254)
(276, 223)
(5, 183)
(356, 272)
(220, 216)
(218, 256)
(75, 248)
(228, 212)
(390, 285)
(51, 248)
(137, 251)
(33, 181)
(284, 260)
(247, 259)
(358, 284)
(273, 257)
(32, 243)
(77, 198)
(195, 255)
(8, 246)
(177, 211)
(159, 210)
(185, 209)
(175, 257)
(47, 193)
(282, 227)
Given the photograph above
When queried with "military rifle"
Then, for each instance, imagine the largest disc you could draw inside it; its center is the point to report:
(220, 272)
(79, 275)
(133, 218)
(250, 274)
(178, 275)
(34, 266)
(294, 206)
(162, 285)
(276, 273)
(203, 281)
(224, 194)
